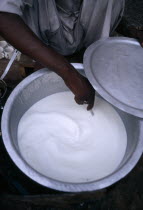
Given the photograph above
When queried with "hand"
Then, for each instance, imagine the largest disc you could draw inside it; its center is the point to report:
(82, 89)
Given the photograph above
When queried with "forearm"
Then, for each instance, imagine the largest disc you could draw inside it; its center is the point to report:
(18, 34)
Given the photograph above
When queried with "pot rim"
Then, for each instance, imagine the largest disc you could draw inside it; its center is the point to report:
(51, 183)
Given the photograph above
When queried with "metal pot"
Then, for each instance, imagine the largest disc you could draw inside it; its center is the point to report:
(39, 85)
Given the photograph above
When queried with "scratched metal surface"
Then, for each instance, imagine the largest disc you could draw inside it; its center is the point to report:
(114, 66)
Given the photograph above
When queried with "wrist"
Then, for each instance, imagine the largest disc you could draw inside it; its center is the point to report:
(68, 73)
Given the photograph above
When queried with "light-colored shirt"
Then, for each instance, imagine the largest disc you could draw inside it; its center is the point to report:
(66, 28)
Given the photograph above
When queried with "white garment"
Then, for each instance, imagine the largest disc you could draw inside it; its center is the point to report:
(53, 27)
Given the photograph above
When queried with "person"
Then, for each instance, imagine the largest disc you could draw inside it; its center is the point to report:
(49, 30)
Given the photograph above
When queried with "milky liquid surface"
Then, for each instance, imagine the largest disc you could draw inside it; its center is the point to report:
(63, 141)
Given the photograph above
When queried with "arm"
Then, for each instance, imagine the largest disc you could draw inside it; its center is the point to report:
(18, 34)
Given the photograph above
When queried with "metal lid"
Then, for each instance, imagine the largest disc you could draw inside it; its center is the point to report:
(114, 66)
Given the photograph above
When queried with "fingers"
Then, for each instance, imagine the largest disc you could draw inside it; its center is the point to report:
(89, 102)
(78, 101)
(90, 105)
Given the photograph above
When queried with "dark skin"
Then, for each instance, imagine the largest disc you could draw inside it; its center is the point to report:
(13, 29)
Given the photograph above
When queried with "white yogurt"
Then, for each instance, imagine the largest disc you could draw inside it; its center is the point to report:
(62, 140)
